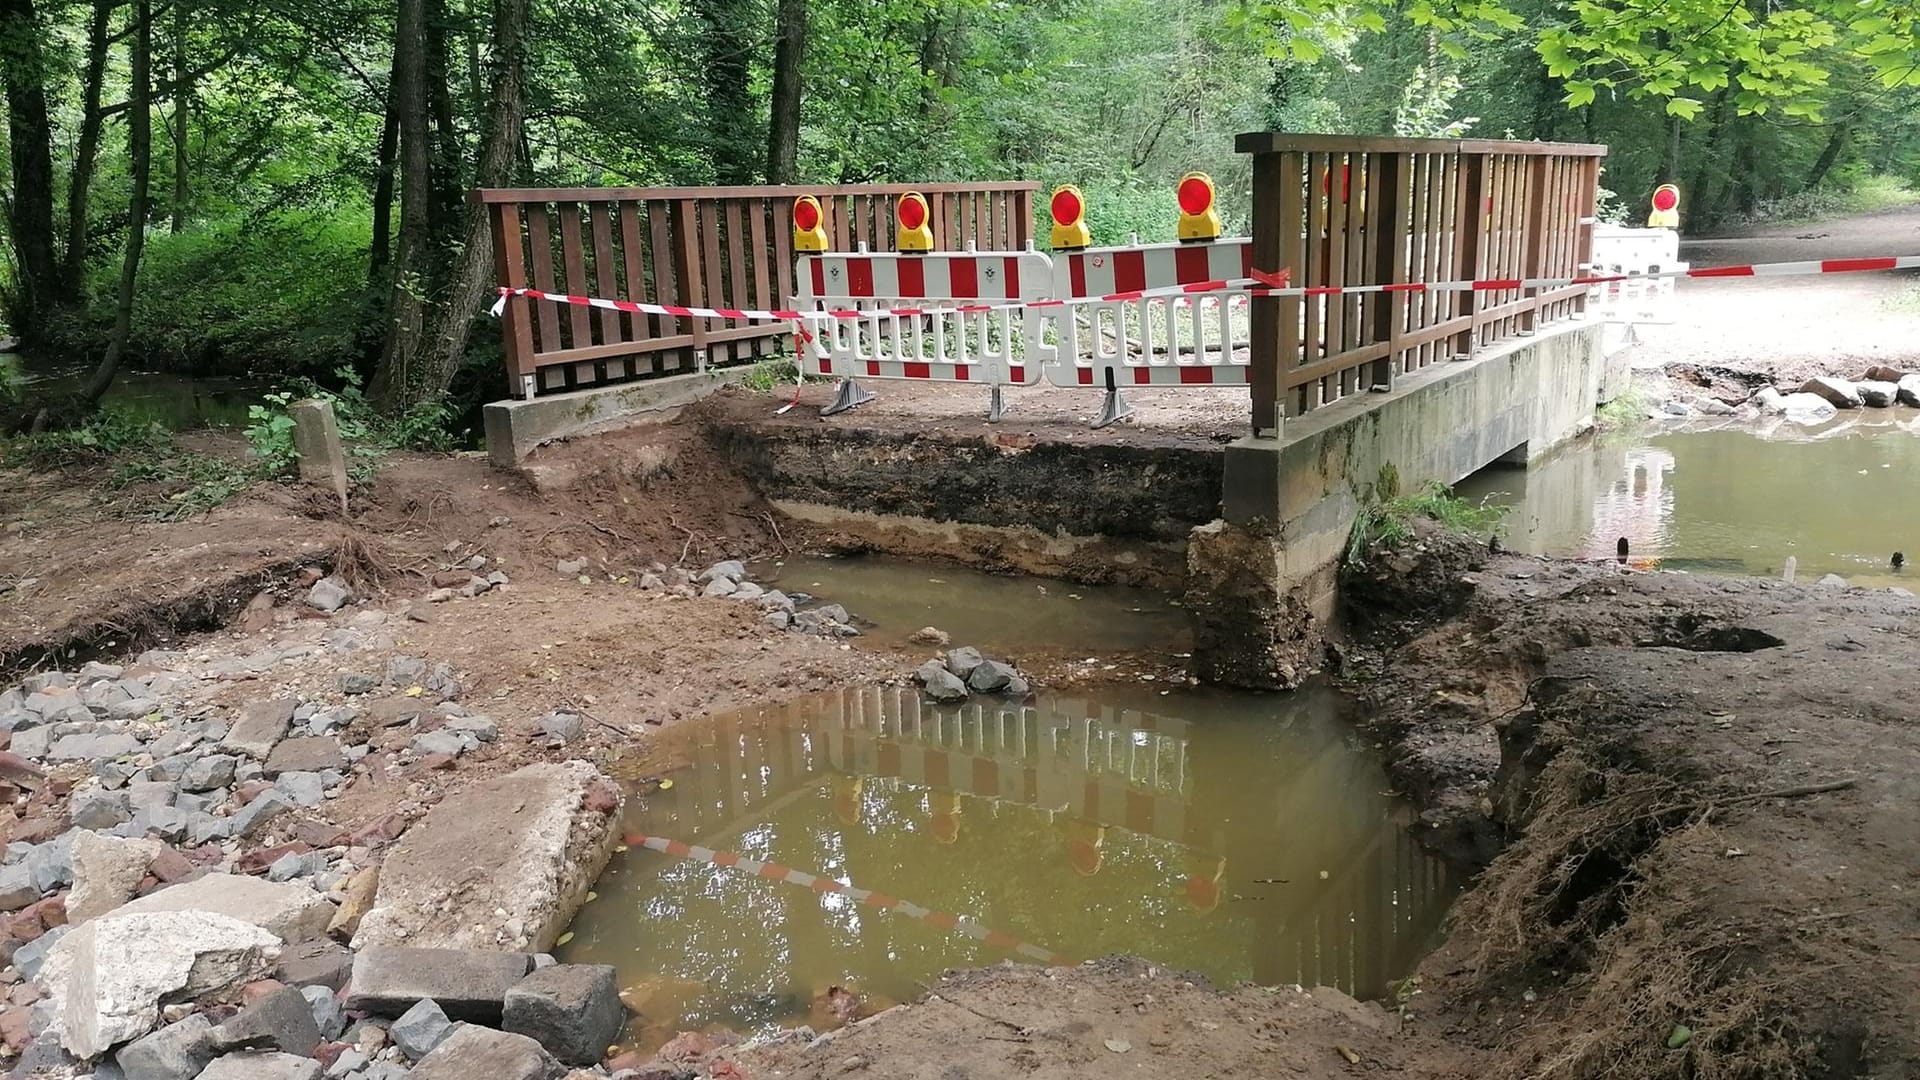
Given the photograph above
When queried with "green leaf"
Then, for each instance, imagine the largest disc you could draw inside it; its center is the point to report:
(1579, 93)
(1453, 48)
(1684, 108)
(1680, 1036)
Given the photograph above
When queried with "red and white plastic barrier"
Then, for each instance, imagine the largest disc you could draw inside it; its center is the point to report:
(1634, 256)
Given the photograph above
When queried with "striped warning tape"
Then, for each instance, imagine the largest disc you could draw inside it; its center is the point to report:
(1260, 284)
(957, 924)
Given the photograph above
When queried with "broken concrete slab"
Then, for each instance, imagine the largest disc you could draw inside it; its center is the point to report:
(280, 1021)
(314, 963)
(467, 984)
(482, 1052)
(288, 910)
(107, 979)
(261, 726)
(306, 754)
(106, 870)
(502, 865)
(248, 1065)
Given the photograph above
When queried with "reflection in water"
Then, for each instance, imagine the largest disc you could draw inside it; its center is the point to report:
(177, 402)
(1245, 838)
(1729, 500)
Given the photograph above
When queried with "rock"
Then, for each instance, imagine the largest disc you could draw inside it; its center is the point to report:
(1710, 407)
(108, 978)
(1016, 687)
(359, 893)
(1907, 390)
(280, 1021)
(1883, 373)
(51, 864)
(250, 1065)
(940, 684)
(209, 773)
(349, 1062)
(775, 600)
(291, 866)
(467, 984)
(98, 808)
(1806, 408)
(257, 814)
(355, 682)
(314, 964)
(562, 726)
(260, 727)
(651, 582)
(306, 754)
(1675, 408)
(720, 587)
(328, 1017)
(571, 567)
(746, 591)
(32, 742)
(573, 1010)
(16, 887)
(175, 1052)
(329, 594)
(526, 844)
(1839, 393)
(289, 911)
(480, 727)
(962, 661)
(479, 1052)
(92, 747)
(420, 1029)
(1831, 581)
(30, 958)
(302, 788)
(406, 671)
(929, 635)
(777, 620)
(726, 570)
(449, 743)
(106, 871)
(990, 677)
(1877, 395)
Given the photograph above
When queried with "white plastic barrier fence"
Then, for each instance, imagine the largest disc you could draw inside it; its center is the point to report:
(963, 334)
(1621, 250)
(1151, 340)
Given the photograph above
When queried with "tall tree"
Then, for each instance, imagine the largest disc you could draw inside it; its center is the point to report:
(140, 152)
(87, 146)
(726, 77)
(401, 355)
(789, 55)
(30, 137)
(182, 112)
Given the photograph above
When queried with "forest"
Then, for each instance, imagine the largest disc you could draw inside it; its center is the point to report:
(223, 187)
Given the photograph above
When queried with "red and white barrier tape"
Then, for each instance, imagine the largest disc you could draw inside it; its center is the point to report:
(958, 924)
(1260, 284)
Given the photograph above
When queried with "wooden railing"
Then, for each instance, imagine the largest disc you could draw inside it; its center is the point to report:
(1339, 210)
(692, 247)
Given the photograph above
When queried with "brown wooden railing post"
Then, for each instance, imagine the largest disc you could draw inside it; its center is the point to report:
(1265, 352)
(1390, 256)
(509, 262)
(1588, 207)
(1470, 227)
(1537, 239)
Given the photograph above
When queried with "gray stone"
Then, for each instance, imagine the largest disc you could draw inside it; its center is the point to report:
(384, 1070)
(571, 567)
(1806, 408)
(209, 773)
(166, 822)
(406, 671)
(573, 1010)
(31, 742)
(990, 677)
(330, 594)
(562, 726)
(328, 721)
(1876, 395)
(304, 788)
(92, 747)
(481, 1052)
(16, 887)
(317, 962)
(962, 661)
(941, 685)
(289, 911)
(452, 743)
(98, 808)
(187, 736)
(282, 1020)
(442, 683)
(467, 984)
(306, 754)
(1831, 581)
(290, 866)
(651, 581)
(146, 794)
(350, 1061)
(1016, 687)
(257, 814)
(106, 871)
(777, 620)
(46, 680)
(726, 570)
(114, 774)
(176, 1052)
(720, 587)
(1907, 390)
(746, 591)
(1839, 393)
(94, 671)
(480, 727)
(170, 769)
(29, 958)
(261, 726)
(420, 1029)
(252, 1065)
(328, 1017)
(132, 708)
(51, 863)
(206, 828)
(355, 682)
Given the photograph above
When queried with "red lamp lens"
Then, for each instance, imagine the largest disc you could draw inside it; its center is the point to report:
(806, 215)
(1666, 198)
(1195, 196)
(1066, 207)
(912, 212)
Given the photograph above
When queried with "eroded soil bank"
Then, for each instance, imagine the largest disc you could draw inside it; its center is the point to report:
(1695, 792)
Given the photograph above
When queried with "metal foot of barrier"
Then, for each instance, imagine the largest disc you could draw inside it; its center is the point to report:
(846, 396)
(996, 407)
(1113, 408)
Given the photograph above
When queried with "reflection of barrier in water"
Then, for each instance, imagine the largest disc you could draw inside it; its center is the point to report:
(1211, 843)
(1638, 505)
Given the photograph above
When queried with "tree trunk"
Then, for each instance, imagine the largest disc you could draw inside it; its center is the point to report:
(382, 250)
(473, 281)
(729, 98)
(1670, 161)
(789, 62)
(1830, 154)
(401, 355)
(1700, 195)
(445, 167)
(182, 110)
(86, 146)
(30, 138)
(140, 152)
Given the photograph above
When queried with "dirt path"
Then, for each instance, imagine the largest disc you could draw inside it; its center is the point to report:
(1794, 328)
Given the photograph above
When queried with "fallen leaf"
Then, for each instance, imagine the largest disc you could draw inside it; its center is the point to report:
(1681, 1036)
(1347, 1052)
(564, 938)
(1119, 1046)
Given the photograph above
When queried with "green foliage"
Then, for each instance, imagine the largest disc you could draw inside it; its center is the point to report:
(1836, 200)
(107, 434)
(137, 452)
(367, 433)
(768, 375)
(269, 434)
(1389, 521)
(200, 482)
(1628, 408)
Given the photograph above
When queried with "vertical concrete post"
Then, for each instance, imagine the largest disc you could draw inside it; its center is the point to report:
(316, 439)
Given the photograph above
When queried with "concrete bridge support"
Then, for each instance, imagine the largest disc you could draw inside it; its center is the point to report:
(1261, 581)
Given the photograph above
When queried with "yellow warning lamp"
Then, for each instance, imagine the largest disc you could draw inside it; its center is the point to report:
(809, 225)
(913, 235)
(1666, 208)
(1069, 209)
(1198, 219)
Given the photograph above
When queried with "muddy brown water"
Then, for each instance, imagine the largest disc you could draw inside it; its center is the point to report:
(1242, 837)
(1731, 500)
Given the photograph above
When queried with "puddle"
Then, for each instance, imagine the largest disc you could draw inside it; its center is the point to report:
(1000, 614)
(178, 402)
(1242, 837)
(1729, 500)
